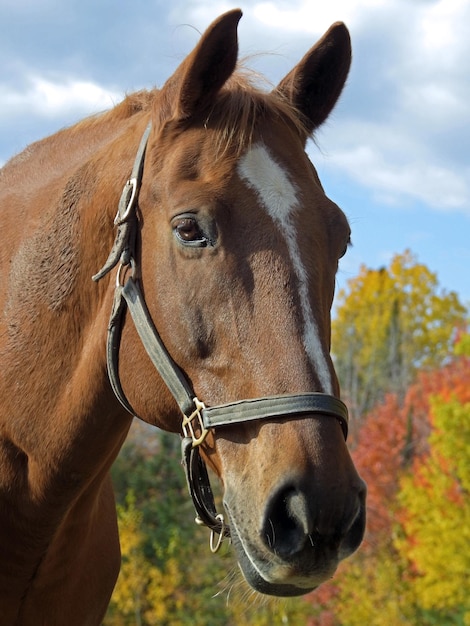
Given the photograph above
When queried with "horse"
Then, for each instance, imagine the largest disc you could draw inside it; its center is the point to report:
(213, 250)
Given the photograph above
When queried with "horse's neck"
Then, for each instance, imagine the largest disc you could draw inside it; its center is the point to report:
(56, 402)
(57, 156)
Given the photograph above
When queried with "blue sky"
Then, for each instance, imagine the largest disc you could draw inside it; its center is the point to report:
(395, 154)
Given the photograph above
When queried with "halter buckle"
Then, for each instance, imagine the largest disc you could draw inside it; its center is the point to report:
(189, 429)
(126, 203)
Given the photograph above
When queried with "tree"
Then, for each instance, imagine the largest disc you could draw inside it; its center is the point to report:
(129, 600)
(375, 591)
(435, 501)
(389, 324)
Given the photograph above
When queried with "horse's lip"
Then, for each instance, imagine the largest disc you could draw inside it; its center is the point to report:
(253, 576)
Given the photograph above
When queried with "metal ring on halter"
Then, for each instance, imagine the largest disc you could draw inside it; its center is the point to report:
(215, 547)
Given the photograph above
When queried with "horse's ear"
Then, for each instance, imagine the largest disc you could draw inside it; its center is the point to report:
(205, 70)
(314, 85)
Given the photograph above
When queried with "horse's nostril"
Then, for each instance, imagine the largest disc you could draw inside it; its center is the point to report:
(298, 521)
(286, 527)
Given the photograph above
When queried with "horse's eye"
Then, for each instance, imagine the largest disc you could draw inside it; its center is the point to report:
(187, 230)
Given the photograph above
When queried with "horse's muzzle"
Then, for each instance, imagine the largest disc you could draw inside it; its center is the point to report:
(301, 539)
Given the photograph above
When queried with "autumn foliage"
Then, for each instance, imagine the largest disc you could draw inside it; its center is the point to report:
(435, 501)
(390, 324)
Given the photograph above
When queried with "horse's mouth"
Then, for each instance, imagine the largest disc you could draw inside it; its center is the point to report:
(269, 578)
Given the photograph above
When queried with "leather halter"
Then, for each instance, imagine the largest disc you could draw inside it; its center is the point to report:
(197, 418)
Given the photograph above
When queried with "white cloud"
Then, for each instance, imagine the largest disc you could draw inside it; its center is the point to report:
(47, 98)
(397, 165)
(395, 182)
(441, 22)
(435, 104)
(312, 17)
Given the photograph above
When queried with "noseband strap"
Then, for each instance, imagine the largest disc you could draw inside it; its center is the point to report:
(197, 419)
(272, 407)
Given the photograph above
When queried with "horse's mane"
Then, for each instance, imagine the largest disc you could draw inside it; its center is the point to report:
(132, 104)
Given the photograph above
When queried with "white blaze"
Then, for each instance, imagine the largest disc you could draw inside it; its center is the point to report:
(279, 197)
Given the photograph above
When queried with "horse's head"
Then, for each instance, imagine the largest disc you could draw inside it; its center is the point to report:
(239, 247)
